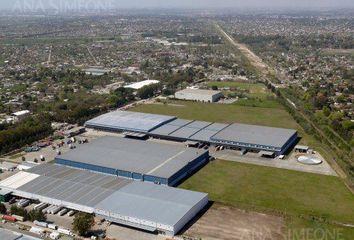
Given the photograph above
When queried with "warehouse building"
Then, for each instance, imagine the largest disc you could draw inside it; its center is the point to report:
(119, 200)
(6, 234)
(141, 84)
(120, 121)
(200, 95)
(276, 140)
(237, 136)
(134, 159)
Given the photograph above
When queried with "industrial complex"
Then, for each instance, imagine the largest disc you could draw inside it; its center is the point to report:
(135, 159)
(120, 200)
(129, 181)
(272, 141)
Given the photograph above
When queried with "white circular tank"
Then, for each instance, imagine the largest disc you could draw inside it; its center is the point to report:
(309, 160)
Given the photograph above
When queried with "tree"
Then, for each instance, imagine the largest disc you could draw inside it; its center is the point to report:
(36, 215)
(83, 222)
(19, 211)
(148, 91)
(2, 209)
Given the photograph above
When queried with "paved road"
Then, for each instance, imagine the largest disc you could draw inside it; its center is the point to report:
(255, 60)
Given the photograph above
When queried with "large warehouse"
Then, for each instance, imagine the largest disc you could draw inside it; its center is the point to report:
(140, 160)
(142, 205)
(239, 136)
(200, 95)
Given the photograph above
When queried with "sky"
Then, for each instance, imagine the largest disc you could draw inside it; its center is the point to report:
(200, 4)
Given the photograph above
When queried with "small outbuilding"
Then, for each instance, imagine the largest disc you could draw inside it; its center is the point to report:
(301, 148)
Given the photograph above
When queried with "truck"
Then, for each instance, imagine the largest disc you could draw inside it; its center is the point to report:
(49, 210)
(56, 210)
(37, 230)
(54, 235)
(23, 203)
(63, 211)
(71, 213)
(9, 218)
(41, 224)
(40, 206)
(46, 209)
(53, 226)
(65, 231)
(18, 218)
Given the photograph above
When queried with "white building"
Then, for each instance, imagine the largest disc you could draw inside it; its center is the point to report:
(199, 95)
(139, 85)
(20, 115)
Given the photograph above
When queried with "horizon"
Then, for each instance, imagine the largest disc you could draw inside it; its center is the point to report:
(252, 5)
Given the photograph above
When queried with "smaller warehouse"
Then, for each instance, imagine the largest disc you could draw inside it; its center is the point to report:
(135, 159)
(139, 85)
(200, 95)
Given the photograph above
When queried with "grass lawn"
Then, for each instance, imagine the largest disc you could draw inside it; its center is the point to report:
(301, 229)
(257, 94)
(227, 113)
(255, 90)
(276, 190)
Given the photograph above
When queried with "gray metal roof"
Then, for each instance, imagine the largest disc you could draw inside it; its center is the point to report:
(130, 121)
(151, 158)
(205, 134)
(113, 195)
(152, 202)
(190, 129)
(170, 127)
(256, 135)
(6, 234)
(72, 185)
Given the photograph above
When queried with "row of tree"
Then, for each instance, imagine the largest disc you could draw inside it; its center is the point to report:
(24, 132)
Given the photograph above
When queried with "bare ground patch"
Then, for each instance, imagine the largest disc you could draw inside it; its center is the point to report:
(223, 222)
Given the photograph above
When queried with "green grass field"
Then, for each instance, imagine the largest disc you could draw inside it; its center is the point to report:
(227, 113)
(308, 201)
(272, 189)
(257, 95)
(255, 90)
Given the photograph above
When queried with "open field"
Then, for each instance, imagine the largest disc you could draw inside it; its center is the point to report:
(297, 196)
(226, 113)
(240, 224)
(254, 89)
(278, 190)
(257, 95)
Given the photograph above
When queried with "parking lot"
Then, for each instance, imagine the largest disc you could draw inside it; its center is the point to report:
(289, 163)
